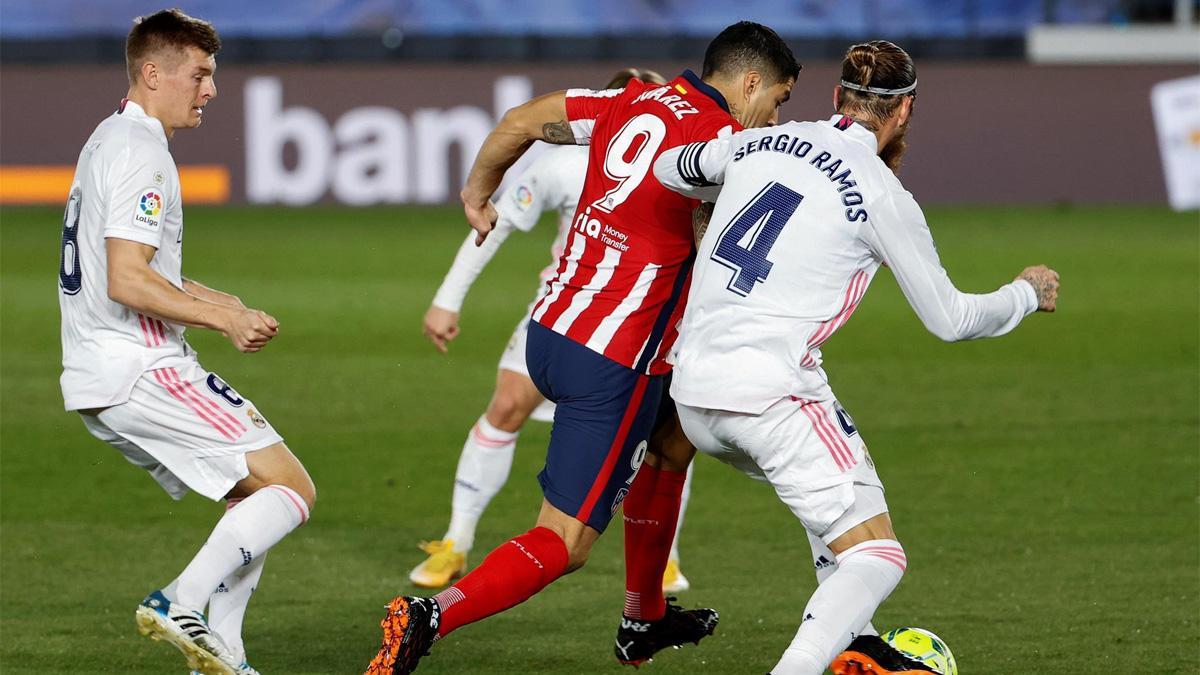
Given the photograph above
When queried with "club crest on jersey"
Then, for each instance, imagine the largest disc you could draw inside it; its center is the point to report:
(149, 206)
(256, 418)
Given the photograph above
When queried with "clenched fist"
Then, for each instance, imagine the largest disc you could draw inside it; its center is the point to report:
(1045, 283)
(440, 326)
(250, 329)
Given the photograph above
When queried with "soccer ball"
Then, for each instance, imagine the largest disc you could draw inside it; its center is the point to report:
(925, 647)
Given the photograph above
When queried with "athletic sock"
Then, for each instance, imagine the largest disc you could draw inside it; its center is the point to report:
(483, 468)
(508, 576)
(651, 512)
(866, 574)
(683, 502)
(825, 564)
(227, 605)
(245, 532)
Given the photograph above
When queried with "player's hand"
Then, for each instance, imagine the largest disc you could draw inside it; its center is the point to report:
(250, 329)
(481, 215)
(1045, 283)
(440, 326)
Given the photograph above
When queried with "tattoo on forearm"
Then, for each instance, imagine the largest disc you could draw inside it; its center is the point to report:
(558, 132)
(700, 218)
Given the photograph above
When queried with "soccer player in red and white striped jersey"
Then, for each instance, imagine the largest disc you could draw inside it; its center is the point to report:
(599, 336)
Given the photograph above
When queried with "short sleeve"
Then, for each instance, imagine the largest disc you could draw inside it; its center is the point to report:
(137, 189)
(584, 106)
(523, 202)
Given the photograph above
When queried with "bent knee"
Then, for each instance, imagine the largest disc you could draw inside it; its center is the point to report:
(508, 413)
(575, 560)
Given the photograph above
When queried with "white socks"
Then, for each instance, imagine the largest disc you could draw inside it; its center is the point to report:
(244, 533)
(683, 500)
(825, 564)
(866, 574)
(227, 606)
(483, 468)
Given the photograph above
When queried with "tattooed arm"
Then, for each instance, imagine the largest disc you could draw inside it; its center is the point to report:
(700, 218)
(542, 119)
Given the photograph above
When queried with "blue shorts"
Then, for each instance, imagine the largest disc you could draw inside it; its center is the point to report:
(605, 412)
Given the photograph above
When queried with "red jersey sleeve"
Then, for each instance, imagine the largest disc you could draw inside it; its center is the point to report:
(584, 106)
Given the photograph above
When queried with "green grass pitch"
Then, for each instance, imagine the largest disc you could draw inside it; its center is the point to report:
(1044, 484)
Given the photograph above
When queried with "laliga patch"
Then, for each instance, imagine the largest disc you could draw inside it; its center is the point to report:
(256, 418)
(148, 211)
(524, 197)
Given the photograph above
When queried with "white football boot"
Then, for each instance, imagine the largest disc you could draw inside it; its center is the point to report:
(160, 619)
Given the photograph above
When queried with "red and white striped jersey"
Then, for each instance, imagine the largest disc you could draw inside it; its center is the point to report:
(126, 186)
(621, 284)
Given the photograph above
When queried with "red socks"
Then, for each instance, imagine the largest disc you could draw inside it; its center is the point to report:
(508, 576)
(651, 512)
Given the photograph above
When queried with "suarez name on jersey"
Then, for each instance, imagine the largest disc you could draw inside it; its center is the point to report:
(621, 284)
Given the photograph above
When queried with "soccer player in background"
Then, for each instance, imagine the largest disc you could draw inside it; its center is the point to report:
(807, 213)
(129, 372)
(553, 182)
(598, 338)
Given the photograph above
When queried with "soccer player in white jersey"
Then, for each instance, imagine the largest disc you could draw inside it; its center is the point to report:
(806, 215)
(552, 182)
(131, 375)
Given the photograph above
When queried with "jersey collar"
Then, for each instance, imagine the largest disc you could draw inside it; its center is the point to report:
(706, 89)
(134, 111)
(854, 130)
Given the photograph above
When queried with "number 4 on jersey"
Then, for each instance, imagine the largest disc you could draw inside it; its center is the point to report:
(747, 239)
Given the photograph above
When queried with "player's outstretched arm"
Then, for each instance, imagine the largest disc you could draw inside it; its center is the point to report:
(134, 284)
(542, 119)
(897, 232)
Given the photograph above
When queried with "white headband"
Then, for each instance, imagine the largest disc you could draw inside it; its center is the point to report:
(878, 90)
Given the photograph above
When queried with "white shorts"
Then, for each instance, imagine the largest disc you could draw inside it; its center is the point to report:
(187, 427)
(809, 451)
(513, 359)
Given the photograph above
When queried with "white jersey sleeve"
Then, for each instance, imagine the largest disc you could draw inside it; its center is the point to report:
(139, 184)
(696, 170)
(899, 235)
(468, 263)
(550, 183)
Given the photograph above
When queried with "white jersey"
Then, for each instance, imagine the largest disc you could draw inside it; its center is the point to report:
(553, 181)
(807, 212)
(126, 186)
